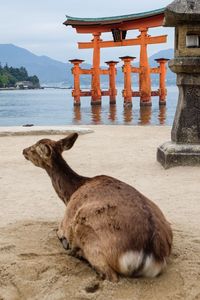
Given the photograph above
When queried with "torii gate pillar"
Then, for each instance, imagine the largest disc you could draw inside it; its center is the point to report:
(96, 88)
(112, 80)
(76, 71)
(145, 73)
(127, 70)
(162, 89)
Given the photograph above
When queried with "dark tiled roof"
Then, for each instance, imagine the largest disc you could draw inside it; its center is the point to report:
(107, 20)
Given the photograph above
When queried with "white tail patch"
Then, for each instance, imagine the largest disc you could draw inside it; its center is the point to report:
(152, 268)
(130, 261)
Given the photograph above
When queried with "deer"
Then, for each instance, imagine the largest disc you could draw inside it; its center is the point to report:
(107, 222)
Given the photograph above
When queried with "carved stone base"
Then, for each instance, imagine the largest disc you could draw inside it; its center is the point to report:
(171, 155)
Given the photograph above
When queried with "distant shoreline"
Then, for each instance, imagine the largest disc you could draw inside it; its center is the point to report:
(41, 88)
(17, 89)
(59, 88)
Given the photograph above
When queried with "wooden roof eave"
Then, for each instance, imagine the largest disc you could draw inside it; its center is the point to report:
(87, 27)
(75, 23)
(115, 19)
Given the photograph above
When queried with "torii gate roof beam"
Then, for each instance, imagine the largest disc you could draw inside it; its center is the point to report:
(127, 22)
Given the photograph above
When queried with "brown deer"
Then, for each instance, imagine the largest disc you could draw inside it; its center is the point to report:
(107, 222)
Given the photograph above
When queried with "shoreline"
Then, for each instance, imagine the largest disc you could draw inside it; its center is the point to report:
(32, 130)
(17, 89)
(41, 88)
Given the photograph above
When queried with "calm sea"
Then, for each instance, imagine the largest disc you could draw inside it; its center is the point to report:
(55, 107)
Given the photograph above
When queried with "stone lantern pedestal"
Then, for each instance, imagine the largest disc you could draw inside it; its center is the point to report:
(184, 147)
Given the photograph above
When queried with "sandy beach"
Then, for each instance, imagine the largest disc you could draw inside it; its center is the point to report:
(33, 264)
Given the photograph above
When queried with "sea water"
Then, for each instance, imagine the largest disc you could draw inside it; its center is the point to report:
(55, 107)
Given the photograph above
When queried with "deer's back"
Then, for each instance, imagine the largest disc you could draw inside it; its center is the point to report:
(119, 217)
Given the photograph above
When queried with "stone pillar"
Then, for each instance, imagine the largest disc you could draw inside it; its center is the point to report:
(112, 80)
(162, 89)
(127, 70)
(184, 148)
(96, 86)
(145, 72)
(186, 127)
(76, 71)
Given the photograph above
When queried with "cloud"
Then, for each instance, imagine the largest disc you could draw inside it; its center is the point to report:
(37, 25)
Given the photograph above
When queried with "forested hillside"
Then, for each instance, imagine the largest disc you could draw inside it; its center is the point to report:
(9, 76)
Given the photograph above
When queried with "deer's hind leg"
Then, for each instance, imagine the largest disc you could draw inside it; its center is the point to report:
(98, 261)
(88, 241)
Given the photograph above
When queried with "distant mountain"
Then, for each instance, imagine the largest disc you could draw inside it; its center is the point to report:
(47, 69)
(50, 71)
(168, 53)
(171, 77)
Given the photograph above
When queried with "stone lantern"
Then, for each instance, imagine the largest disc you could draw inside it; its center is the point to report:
(184, 148)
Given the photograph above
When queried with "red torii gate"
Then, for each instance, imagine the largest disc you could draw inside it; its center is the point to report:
(119, 26)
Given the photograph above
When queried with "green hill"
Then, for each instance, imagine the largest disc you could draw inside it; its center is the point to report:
(9, 76)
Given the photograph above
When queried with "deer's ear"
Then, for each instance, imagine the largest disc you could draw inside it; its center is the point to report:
(44, 150)
(68, 142)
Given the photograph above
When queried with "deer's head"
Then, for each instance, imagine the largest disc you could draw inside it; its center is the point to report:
(42, 153)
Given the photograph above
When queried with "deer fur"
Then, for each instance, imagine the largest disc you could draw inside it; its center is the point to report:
(107, 222)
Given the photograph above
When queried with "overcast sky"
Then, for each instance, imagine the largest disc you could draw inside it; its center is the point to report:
(37, 25)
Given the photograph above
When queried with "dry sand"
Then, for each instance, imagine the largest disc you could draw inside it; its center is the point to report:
(33, 265)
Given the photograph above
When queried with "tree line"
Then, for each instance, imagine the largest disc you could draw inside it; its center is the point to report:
(9, 76)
